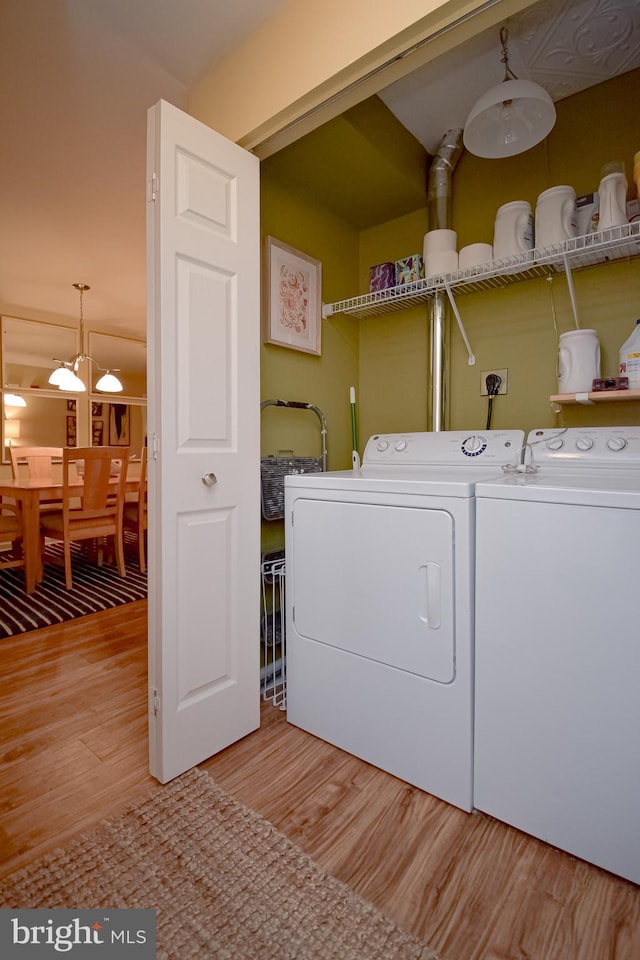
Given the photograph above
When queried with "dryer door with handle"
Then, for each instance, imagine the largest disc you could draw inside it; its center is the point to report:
(376, 580)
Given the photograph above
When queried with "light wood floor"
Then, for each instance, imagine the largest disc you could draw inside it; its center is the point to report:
(73, 750)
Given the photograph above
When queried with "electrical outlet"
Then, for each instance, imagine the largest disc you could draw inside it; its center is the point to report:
(483, 381)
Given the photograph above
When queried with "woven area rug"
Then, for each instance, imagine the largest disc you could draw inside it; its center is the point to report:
(94, 588)
(225, 883)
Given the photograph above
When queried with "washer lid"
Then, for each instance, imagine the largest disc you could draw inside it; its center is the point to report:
(603, 488)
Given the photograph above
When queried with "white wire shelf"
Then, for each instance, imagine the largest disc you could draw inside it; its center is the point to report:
(617, 243)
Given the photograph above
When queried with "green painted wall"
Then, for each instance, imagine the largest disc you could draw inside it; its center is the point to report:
(394, 348)
(291, 375)
(516, 327)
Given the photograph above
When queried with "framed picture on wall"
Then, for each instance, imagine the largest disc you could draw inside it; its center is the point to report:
(96, 409)
(71, 406)
(292, 315)
(119, 425)
(97, 433)
(71, 430)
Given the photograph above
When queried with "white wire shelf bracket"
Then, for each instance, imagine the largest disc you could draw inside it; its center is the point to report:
(616, 243)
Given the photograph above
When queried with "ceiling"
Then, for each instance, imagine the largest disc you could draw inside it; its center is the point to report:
(81, 75)
(564, 45)
(78, 77)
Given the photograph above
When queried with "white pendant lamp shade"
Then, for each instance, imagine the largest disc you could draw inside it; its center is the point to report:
(508, 119)
(70, 381)
(57, 377)
(108, 383)
(14, 400)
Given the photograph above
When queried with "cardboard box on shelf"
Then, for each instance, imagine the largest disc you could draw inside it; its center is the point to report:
(409, 269)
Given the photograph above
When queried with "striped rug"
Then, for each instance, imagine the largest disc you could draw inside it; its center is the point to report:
(94, 588)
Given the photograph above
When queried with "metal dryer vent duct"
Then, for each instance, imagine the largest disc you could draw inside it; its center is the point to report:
(439, 203)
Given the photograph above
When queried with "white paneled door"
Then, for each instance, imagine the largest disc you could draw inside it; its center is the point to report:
(203, 249)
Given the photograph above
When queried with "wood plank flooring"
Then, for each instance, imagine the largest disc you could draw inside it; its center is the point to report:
(73, 750)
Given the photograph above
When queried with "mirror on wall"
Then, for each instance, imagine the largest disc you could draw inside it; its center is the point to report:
(35, 413)
(119, 424)
(54, 422)
(28, 349)
(127, 357)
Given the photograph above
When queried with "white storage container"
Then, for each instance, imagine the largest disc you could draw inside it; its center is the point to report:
(578, 361)
(513, 230)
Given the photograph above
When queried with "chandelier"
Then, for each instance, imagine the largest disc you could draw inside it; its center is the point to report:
(65, 376)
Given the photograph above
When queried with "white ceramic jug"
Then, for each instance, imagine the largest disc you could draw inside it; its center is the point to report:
(578, 361)
(513, 230)
(613, 201)
(556, 219)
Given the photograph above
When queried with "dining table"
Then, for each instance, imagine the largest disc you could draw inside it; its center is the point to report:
(29, 494)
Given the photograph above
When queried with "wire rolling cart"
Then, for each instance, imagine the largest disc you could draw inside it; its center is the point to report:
(273, 470)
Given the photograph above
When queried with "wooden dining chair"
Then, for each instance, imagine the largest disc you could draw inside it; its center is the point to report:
(92, 510)
(135, 511)
(37, 464)
(11, 554)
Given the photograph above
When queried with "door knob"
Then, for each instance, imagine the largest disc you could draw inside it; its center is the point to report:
(209, 479)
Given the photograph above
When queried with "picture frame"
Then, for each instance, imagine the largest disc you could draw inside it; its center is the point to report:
(71, 406)
(72, 434)
(97, 433)
(119, 425)
(96, 409)
(292, 314)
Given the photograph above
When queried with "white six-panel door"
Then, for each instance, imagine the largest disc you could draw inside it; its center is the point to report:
(203, 249)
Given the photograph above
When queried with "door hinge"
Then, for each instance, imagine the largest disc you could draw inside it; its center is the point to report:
(155, 702)
(153, 187)
(155, 446)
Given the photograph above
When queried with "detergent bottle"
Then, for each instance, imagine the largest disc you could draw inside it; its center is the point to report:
(630, 358)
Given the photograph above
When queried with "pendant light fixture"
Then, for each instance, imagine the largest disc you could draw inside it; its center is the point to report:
(65, 377)
(14, 400)
(509, 118)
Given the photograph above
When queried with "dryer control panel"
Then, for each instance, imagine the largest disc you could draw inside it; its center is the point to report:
(444, 447)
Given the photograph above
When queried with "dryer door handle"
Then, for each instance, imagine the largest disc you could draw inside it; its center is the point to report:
(432, 615)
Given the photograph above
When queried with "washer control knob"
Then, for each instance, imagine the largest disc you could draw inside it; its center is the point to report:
(474, 445)
(382, 445)
(401, 445)
(616, 444)
(556, 443)
(584, 443)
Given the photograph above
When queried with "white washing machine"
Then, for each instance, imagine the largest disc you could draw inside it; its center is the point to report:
(380, 589)
(557, 717)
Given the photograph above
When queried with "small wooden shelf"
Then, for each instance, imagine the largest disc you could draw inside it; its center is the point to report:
(600, 396)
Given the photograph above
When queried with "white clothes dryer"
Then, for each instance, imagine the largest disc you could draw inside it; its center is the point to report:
(380, 597)
(557, 714)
